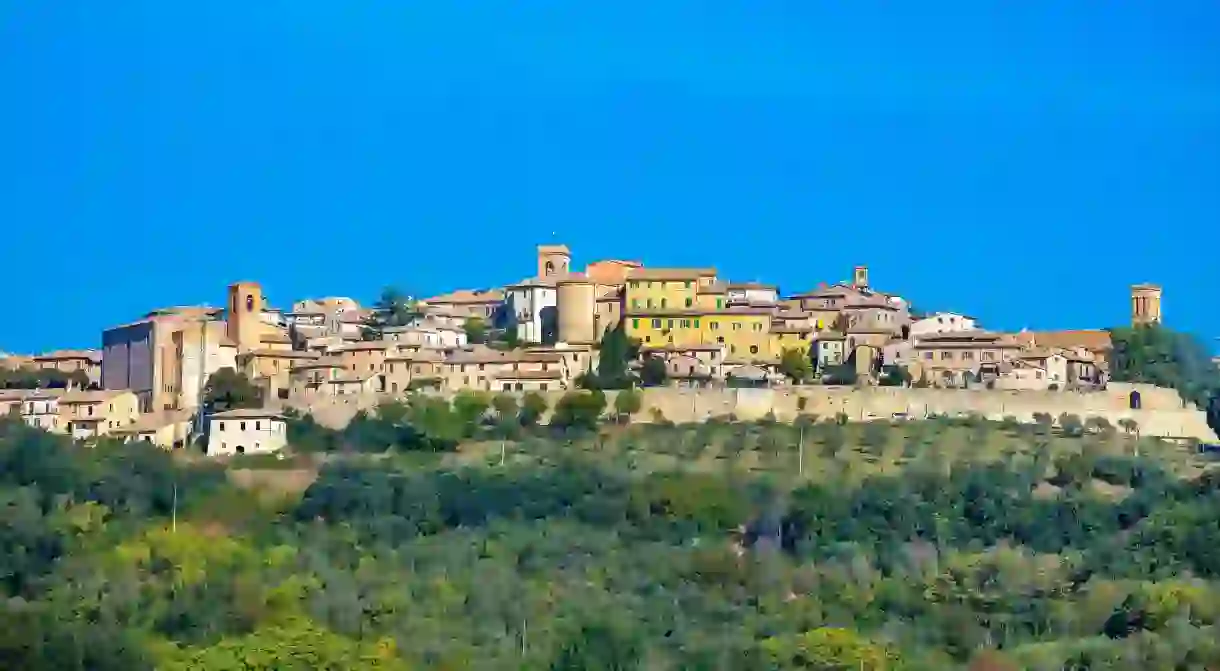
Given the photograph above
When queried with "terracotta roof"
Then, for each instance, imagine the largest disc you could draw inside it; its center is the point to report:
(280, 354)
(370, 346)
(752, 285)
(713, 288)
(276, 338)
(1093, 340)
(830, 335)
(70, 355)
(469, 297)
(247, 413)
(324, 362)
(670, 273)
(95, 396)
(509, 374)
(425, 355)
(835, 291)
(488, 355)
(154, 421)
(791, 329)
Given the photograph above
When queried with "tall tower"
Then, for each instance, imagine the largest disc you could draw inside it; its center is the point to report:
(245, 309)
(554, 260)
(1145, 304)
(859, 277)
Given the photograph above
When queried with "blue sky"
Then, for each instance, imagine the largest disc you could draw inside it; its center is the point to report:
(979, 157)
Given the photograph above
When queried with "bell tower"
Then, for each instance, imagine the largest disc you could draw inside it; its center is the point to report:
(244, 315)
(554, 260)
(1145, 304)
(859, 277)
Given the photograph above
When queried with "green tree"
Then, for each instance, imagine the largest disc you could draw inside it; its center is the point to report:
(653, 372)
(476, 330)
(796, 365)
(227, 389)
(507, 410)
(627, 403)
(580, 410)
(533, 407)
(616, 352)
(296, 645)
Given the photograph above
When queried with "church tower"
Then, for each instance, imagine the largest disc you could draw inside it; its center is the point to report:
(244, 315)
(554, 260)
(1145, 304)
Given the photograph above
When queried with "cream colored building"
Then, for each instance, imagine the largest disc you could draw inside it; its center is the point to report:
(93, 414)
(509, 370)
(246, 431)
(40, 409)
(168, 429)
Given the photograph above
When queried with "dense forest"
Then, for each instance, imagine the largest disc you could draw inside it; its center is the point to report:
(466, 535)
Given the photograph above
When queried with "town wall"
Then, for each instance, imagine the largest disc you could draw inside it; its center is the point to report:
(1161, 411)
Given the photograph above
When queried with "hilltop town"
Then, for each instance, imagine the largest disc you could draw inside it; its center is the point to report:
(683, 327)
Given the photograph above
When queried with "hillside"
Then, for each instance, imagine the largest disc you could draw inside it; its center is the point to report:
(920, 545)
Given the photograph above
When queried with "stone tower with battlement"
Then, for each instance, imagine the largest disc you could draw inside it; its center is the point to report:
(1145, 304)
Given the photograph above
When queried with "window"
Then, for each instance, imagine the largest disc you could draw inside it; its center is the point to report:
(715, 326)
(758, 327)
(647, 338)
(506, 386)
(542, 386)
(669, 323)
(222, 426)
(736, 326)
(482, 366)
(719, 303)
(242, 426)
(929, 355)
(732, 349)
(656, 323)
(966, 356)
(989, 356)
(664, 302)
(689, 301)
(258, 426)
(753, 349)
(946, 355)
(696, 323)
(249, 303)
(649, 302)
(635, 285)
(720, 339)
(635, 323)
(635, 303)
(90, 408)
(687, 285)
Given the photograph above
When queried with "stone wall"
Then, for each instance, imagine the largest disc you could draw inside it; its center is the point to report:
(1161, 413)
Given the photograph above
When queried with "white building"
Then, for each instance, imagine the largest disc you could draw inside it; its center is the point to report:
(942, 322)
(532, 303)
(751, 293)
(246, 431)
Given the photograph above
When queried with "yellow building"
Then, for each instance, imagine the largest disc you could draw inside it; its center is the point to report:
(687, 306)
(91, 414)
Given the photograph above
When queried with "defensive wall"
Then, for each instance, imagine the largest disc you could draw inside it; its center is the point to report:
(1161, 411)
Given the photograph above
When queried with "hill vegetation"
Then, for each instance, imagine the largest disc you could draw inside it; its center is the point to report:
(465, 536)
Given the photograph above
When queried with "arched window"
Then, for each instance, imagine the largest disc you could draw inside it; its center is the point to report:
(550, 268)
(1134, 400)
(249, 303)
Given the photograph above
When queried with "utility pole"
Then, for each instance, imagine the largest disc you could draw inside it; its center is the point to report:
(800, 453)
